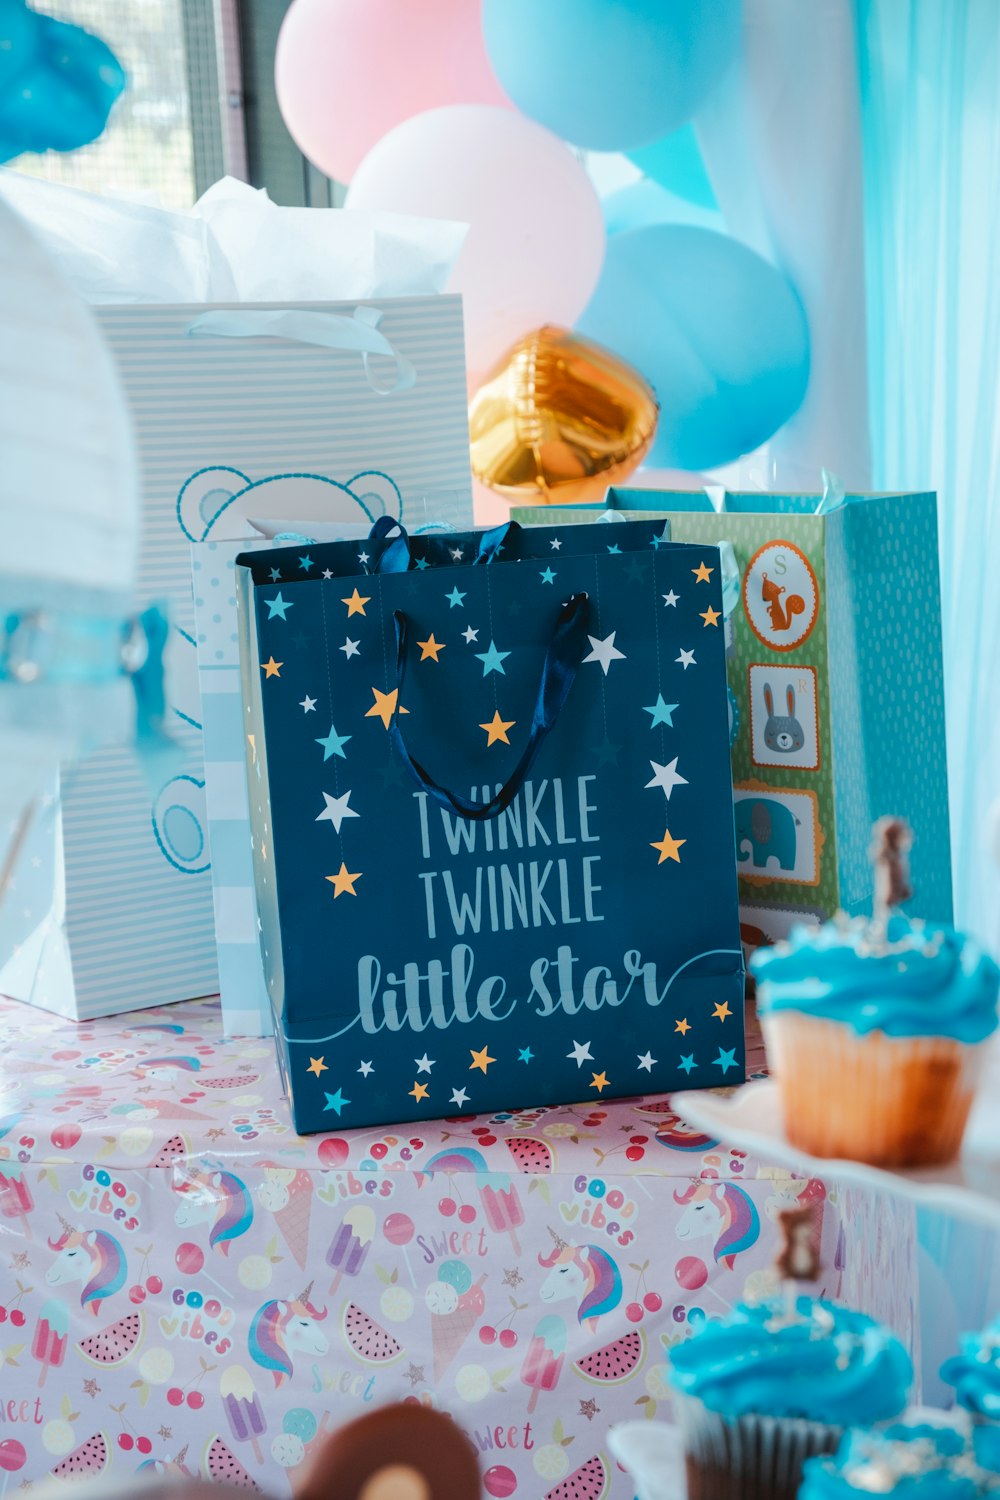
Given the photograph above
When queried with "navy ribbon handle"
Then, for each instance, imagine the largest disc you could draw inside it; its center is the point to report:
(562, 661)
(392, 552)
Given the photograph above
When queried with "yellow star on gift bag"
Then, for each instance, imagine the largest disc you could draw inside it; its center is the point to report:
(429, 649)
(271, 667)
(343, 881)
(497, 729)
(481, 1060)
(356, 604)
(385, 706)
(668, 847)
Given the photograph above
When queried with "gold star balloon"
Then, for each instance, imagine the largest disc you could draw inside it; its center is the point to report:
(559, 419)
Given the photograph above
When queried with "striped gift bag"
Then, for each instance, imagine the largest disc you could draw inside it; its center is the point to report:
(327, 412)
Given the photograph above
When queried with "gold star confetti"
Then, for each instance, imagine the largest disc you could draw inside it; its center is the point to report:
(343, 881)
(481, 1060)
(429, 649)
(668, 847)
(355, 604)
(385, 706)
(497, 729)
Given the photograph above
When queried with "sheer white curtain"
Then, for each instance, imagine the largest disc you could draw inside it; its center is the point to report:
(930, 101)
(857, 145)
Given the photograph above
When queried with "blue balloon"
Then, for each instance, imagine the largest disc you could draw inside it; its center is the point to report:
(717, 331)
(59, 82)
(676, 163)
(644, 202)
(610, 76)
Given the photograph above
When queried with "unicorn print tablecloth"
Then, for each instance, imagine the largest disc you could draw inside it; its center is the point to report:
(188, 1286)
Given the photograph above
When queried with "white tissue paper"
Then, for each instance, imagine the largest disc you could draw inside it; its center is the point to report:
(234, 246)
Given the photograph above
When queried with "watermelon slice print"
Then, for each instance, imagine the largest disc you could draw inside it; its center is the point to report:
(370, 1341)
(230, 1081)
(170, 1152)
(531, 1155)
(588, 1482)
(616, 1361)
(90, 1458)
(114, 1344)
(225, 1467)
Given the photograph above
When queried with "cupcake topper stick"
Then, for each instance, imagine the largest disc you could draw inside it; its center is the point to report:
(798, 1259)
(890, 848)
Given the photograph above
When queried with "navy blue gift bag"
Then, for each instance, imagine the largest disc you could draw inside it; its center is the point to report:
(492, 819)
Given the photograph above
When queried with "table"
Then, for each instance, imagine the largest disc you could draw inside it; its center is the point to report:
(187, 1285)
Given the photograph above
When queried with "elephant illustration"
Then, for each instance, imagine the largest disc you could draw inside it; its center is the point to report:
(768, 827)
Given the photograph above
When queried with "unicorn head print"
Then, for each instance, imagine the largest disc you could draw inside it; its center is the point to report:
(584, 1274)
(280, 1330)
(89, 1256)
(166, 1069)
(722, 1212)
(215, 1197)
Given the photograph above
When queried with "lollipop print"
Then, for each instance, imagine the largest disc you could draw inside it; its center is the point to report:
(399, 1230)
(12, 1458)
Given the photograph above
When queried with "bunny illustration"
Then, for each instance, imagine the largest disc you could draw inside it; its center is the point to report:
(782, 733)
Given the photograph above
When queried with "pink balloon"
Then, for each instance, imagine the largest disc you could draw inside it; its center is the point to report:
(536, 235)
(348, 71)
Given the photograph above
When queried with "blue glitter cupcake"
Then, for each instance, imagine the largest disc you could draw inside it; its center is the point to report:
(874, 1029)
(764, 1388)
(975, 1374)
(910, 1460)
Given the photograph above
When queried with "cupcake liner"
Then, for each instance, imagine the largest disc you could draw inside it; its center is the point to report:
(986, 1442)
(752, 1457)
(888, 1101)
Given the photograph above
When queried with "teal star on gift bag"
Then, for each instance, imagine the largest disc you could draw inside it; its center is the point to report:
(662, 712)
(336, 1101)
(278, 606)
(334, 744)
(492, 660)
(725, 1060)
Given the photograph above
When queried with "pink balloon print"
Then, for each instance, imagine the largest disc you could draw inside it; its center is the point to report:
(691, 1273)
(189, 1258)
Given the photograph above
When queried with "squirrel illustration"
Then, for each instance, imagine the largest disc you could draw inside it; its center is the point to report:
(781, 613)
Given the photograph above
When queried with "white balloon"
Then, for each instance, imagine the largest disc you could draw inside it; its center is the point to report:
(536, 231)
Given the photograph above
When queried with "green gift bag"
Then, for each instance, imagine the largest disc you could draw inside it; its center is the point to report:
(837, 692)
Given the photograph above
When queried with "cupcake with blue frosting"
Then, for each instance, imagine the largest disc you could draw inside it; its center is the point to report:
(910, 1460)
(975, 1374)
(875, 1029)
(760, 1390)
